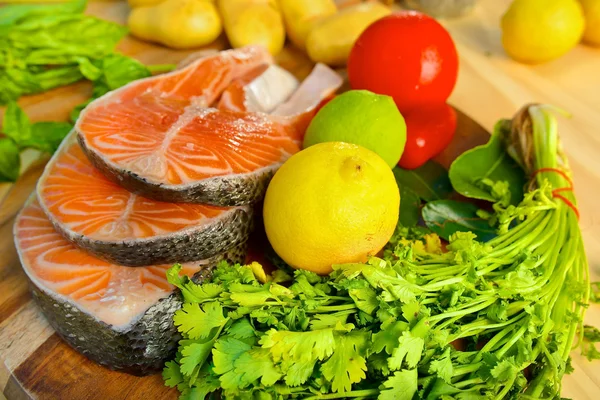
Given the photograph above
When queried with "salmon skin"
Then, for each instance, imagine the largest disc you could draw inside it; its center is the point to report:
(105, 219)
(118, 316)
(169, 137)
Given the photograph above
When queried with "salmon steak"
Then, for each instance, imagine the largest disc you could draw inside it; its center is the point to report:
(173, 138)
(118, 316)
(107, 220)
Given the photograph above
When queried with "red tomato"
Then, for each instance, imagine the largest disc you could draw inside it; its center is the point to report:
(408, 56)
(429, 129)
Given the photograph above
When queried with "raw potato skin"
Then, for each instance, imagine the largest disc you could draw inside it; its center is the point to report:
(142, 3)
(179, 24)
(301, 15)
(331, 39)
(141, 349)
(253, 22)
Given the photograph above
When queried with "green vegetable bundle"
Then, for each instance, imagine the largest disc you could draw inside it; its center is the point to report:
(480, 320)
(46, 46)
(42, 47)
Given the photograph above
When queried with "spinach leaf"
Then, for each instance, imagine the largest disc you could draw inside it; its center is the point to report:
(477, 172)
(410, 207)
(445, 217)
(10, 163)
(429, 182)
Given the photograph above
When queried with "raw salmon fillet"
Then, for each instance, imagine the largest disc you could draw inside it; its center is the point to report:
(109, 221)
(118, 316)
(160, 136)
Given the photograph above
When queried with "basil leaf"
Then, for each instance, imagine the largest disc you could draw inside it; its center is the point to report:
(13, 13)
(67, 38)
(119, 70)
(46, 136)
(474, 173)
(15, 82)
(43, 136)
(88, 69)
(410, 207)
(429, 181)
(445, 217)
(16, 124)
(10, 163)
(116, 70)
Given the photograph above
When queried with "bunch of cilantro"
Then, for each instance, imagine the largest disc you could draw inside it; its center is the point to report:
(477, 320)
(46, 46)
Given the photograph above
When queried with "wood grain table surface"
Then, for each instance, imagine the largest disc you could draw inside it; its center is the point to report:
(35, 363)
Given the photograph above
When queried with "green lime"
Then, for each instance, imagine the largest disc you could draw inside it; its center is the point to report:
(364, 118)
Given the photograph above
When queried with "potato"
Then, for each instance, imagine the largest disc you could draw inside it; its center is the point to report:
(180, 24)
(332, 38)
(253, 22)
(301, 15)
(143, 3)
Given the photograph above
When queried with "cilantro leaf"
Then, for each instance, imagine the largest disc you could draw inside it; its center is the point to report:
(297, 372)
(324, 321)
(516, 280)
(387, 337)
(304, 285)
(524, 349)
(365, 298)
(442, 366)
(378, 362)
(241, 329)
(409, 349)
(251, 298)
(194, 354)
(591, 333)
(489, 361)
(197, 322)
(172, 374)
(400, 386)
(504, 370)
(206, 383)
(347, 365)
(595, 292)
(250, 366)
(192, 292)
(317, 344)
(225, 352)
(497, 312)
(228, 274)
(590, 351)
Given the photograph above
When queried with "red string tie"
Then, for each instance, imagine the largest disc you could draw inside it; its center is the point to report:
(556, 192)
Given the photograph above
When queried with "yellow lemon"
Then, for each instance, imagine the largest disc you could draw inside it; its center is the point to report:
(591, 10)
(535, 31)
(332, 203)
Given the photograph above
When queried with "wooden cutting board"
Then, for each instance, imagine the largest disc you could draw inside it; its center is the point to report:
(36, 364)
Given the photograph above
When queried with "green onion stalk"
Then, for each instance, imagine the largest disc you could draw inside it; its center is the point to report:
(529, 285)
